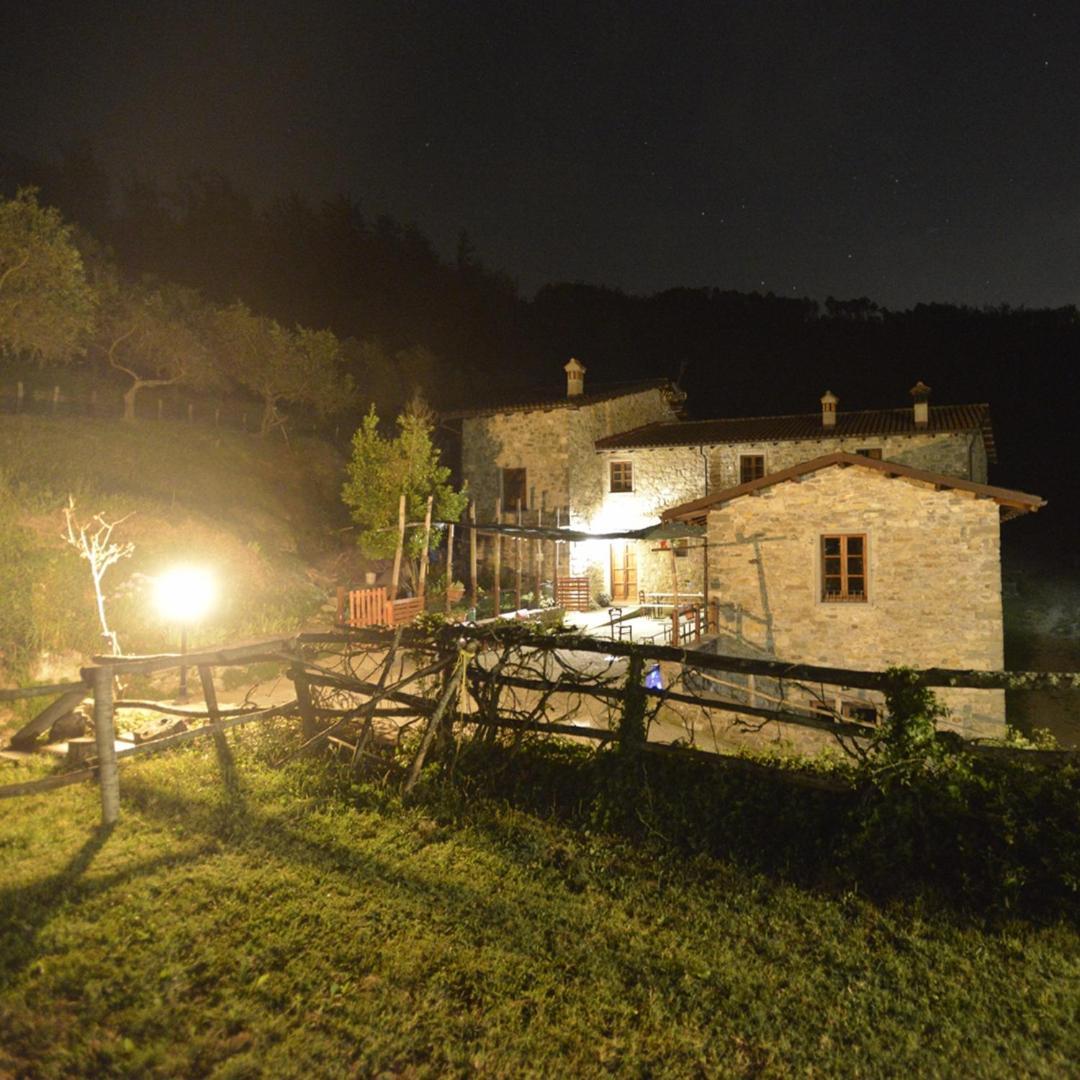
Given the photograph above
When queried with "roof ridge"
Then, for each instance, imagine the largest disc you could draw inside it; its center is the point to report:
(803, 415)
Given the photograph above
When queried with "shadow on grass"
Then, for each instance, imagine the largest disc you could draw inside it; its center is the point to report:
(26, 910)
(924, 844)
(264, 835)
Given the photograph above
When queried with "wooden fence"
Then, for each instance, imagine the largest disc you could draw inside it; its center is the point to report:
(572, 593)
(487, 663)
(171, 403)
(370, 607)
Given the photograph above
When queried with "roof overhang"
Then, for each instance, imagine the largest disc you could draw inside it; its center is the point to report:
(1012, 503)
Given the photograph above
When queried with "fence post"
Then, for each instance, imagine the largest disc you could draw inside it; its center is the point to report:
(309, 726)
(20, 394)
(472, 558)
(517, 563)
(497, 561)
(225, 758)
(399, 549)
(449, 563)
(422, 590)
(538, 558)
(632, 722)
(105, 737)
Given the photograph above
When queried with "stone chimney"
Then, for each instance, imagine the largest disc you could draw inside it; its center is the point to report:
(920, 394)
(829, 401)
(575, 378)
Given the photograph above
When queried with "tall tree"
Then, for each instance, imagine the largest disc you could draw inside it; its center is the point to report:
(381, 468)
(46, 303)
(154, 337)
(282, 367)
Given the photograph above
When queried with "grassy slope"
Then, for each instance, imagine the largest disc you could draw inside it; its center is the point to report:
(295, 928)
(256, 512)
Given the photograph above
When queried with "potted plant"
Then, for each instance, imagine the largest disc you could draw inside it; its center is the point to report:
(455, 591)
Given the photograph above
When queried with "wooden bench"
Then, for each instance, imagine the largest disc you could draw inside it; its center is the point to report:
(400, 612)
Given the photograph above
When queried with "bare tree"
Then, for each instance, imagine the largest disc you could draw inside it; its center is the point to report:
(92, 539)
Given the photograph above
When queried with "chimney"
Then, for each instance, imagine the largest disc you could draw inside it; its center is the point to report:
(575, 378)
(829, 401)
(920, 393)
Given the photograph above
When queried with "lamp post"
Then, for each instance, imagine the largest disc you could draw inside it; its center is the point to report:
(184, 595)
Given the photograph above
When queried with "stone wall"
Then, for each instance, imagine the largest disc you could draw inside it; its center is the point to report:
(962, 454)
(933, 584)
(556, 447)
(662, 478)
(537, 441)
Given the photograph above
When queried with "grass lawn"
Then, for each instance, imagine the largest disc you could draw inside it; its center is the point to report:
(300, 926)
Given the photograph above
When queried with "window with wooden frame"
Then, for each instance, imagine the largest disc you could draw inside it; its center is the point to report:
(751, 467)
(622, 476)
(514, 488)
(681, 547)
(843, 568)
(870, 452)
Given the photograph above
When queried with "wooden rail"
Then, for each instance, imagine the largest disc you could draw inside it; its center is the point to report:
(502, 633)
(447, 645)
(572, 593)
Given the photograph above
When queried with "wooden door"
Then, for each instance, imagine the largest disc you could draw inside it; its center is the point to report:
(623, 573)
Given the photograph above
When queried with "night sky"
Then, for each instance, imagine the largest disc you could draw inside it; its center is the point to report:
(906, 152)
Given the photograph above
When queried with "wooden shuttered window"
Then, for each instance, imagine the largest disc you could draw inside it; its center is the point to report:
(622, 476)
(843, 568)
(751, 467)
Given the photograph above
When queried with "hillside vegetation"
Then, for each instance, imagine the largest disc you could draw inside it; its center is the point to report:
(264, 517)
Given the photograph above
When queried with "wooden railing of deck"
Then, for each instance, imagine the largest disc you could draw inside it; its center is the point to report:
(572, 593)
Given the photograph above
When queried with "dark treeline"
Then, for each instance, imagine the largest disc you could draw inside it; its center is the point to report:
(444, 323)
(460, 330)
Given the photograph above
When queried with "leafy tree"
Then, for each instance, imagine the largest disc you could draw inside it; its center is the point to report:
(154, 337)
(46, 304)
(382, 468)
(283, 367)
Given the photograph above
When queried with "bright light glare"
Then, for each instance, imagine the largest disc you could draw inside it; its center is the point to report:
(185, 594)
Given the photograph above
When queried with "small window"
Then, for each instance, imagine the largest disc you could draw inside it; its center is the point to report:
(862, 711)
(622, 476)
(681, 547)
(870, 452)
(513, 489)
(751, 467)
(843, 568)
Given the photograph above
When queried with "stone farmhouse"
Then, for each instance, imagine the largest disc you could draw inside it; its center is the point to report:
(859, 538)
(866, 562)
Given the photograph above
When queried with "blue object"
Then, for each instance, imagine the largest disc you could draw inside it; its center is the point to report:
(653, 679)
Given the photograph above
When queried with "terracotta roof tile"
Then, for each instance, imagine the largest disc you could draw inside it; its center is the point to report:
(862, 423)
(552, 400)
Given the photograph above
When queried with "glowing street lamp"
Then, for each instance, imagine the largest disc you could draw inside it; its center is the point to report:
(184, 595)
